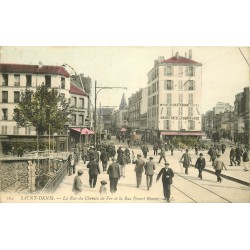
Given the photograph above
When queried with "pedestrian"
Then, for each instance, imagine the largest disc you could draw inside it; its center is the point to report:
(171, 149)
(162, 154)
(114, 175)
(71, 163)
(245, 159)
(139, 164)
(94, 170)
(167, 179)
(155, 148)
(145, 150)
(214, 155)
(223, 148)
(196, 149)
(232, 156)
(200, 165)
(122, 160)
(238, 154)
(218, 166)
(103, 189)
(186, 161)
(104, 159)
(84, 153)
(149, 171)
(77, 184)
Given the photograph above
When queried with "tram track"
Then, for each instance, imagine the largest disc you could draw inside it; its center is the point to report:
(200, 186)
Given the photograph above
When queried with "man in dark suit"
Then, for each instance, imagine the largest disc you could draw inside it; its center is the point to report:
(94, 170)
(200, 165)
(149, 171)
(167, 176)
(139, 164)
(114, 175)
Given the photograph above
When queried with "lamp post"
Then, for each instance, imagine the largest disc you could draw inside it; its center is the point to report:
(96, 93)
(65, 64)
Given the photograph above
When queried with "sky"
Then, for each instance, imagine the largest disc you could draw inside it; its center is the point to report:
(224, 70)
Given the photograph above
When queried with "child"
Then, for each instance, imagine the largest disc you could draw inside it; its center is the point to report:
(103, 190)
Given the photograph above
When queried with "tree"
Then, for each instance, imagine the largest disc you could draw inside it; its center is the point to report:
(45, 109)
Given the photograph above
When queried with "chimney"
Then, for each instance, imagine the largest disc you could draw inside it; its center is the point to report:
(177, 55)
(190, 54)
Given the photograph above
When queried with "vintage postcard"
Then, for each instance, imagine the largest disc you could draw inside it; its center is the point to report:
(124, 124)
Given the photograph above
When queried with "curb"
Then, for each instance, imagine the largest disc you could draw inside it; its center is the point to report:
(228, 177)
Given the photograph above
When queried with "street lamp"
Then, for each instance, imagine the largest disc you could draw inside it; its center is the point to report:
(96, 92)
(65, 64)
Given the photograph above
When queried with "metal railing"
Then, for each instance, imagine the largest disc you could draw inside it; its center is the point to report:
(55, 181)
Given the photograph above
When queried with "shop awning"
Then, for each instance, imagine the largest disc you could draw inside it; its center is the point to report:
(199, 133)
(85, 131)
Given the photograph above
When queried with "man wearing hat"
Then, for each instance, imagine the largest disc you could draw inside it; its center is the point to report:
(139, 164)
(186, 161)
(167, 176)
(94, 170)
(77, 184)
(232, 156)
(218, 166)
(200, 165)
(114, 175)
(149, 171)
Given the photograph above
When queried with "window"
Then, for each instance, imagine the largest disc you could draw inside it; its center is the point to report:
(190, 111)
(81, 120)
(191, 85)
(5, 79)
(149, 90)
(190, 71)
(62, 83)
(73, 119)
(15, 130)
(154, 100)
(180, 111)
(168, 111)
(169, 98)
(5, 114)
(168, 85)
(82, 103)
(167, 124)
(180, 85)
(27, 130)
(48, 81)
(4, 130)
(5, 96)
(28, 80)
(73, 101)
(16, 97)
(180, 71)
(180, 98)
(190, 98)
(179, 124)
(168, 71)
(191, 125)
(157, 88)
(17, 80)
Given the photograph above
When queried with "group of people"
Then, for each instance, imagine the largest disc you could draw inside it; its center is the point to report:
(117, 167)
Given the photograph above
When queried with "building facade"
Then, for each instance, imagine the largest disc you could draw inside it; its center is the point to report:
(17, 78)
(174, 97)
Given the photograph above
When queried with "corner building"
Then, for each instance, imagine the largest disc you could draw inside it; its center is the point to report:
(174, 97)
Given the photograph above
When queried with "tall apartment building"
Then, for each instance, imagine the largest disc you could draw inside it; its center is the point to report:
(174, 97)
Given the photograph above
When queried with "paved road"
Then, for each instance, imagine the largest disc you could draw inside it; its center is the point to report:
(184, 189)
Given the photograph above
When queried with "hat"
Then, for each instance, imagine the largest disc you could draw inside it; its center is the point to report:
(138, 155)
(151, 158)
(103, 182)
(166, 163)
(186, 150)
(201, 154)
(80, 172)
